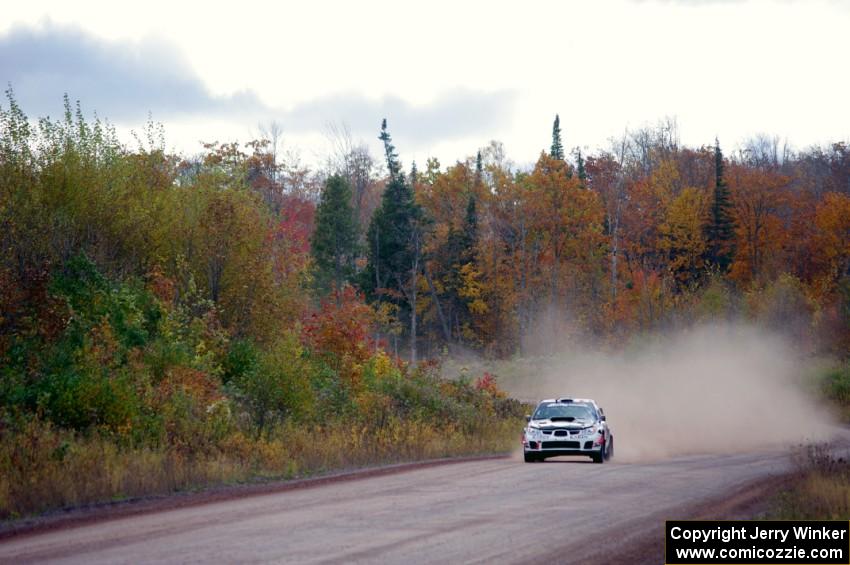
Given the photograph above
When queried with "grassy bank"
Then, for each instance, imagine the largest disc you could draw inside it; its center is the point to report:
(44, 468)
(820, 489)
(113, 389)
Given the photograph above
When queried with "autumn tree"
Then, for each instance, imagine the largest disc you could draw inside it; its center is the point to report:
(832, 240)
(757, 196)
(567, 226)
(682, 237)
(459, 256)
(607, 179)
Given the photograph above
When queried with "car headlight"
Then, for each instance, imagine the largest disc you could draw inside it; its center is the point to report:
(532, 432)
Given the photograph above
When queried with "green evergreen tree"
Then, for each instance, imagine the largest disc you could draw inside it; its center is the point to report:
(393, 239)
(393, 164)
(395, 243)
(479, 169)
(389, 239)
(470, 230)
(334, 241)
(720, 229)
(580, 170)
(557, 149)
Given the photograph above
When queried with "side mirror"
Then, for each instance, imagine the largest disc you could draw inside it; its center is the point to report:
(527, 418)
(603, 418)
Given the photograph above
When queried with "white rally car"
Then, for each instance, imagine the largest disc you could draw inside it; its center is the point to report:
(567, 426)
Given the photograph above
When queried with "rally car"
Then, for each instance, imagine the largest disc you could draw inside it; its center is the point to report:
(567, 426)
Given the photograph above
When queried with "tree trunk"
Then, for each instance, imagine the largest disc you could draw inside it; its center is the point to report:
(413, 277)
(443, 324)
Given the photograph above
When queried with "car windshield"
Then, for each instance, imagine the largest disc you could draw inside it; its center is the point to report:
(565, 412)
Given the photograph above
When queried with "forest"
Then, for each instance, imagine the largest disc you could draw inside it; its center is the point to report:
(172, 321)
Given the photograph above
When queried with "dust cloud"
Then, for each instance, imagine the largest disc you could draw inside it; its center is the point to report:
(717, 388)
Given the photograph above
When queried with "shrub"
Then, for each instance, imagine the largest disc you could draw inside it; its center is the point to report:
(277, 386)
(834, 384)
(784, 307)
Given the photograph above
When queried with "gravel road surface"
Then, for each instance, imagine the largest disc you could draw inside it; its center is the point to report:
(496, 511)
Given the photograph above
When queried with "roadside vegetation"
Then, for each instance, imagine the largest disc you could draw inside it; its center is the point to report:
(133, 395)
(163, 327)
(820, 484)
(820, 487)
(169, 322)
(833, 384)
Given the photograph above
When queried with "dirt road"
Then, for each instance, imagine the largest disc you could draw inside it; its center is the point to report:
(497, 511)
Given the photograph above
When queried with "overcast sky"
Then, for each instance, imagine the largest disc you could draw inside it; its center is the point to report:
(448, 76)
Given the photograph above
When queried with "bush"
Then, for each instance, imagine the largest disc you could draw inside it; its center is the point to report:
(136, 392)
(834, 384)
(783, 307)
(155, 330)
(276, 385)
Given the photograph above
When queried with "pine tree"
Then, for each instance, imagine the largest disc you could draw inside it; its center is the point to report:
(470, 231)
(479, 169)
(720, 229)
(580, 170)
(557, 150)
(334, 241)
(395, 241)
(390, 231)
(393, 165)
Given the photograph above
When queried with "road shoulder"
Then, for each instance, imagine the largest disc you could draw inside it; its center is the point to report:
(647, 546)
(102, 512)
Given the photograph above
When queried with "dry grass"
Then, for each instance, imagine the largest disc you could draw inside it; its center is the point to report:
(42, 468)
(821, 489)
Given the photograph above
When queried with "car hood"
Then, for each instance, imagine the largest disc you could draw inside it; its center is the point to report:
(550, 425)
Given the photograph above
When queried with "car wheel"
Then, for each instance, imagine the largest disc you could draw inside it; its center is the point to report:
(609, 452)
(529, 457)
(601, 456)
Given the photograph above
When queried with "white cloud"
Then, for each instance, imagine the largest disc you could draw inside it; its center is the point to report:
(727, 68)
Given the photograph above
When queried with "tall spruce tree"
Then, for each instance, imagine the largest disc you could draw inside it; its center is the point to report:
(720, 229)
(580, 170)
(557, 149)
(394, 243)
(334, 241)
(393, 165)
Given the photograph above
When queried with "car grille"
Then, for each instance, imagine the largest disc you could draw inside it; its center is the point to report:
(561, 445)
(561, 433)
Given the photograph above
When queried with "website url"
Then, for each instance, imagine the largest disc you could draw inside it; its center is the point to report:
(757, 553)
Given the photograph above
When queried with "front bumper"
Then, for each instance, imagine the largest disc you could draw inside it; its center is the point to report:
(572, 444)
(562, 447)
